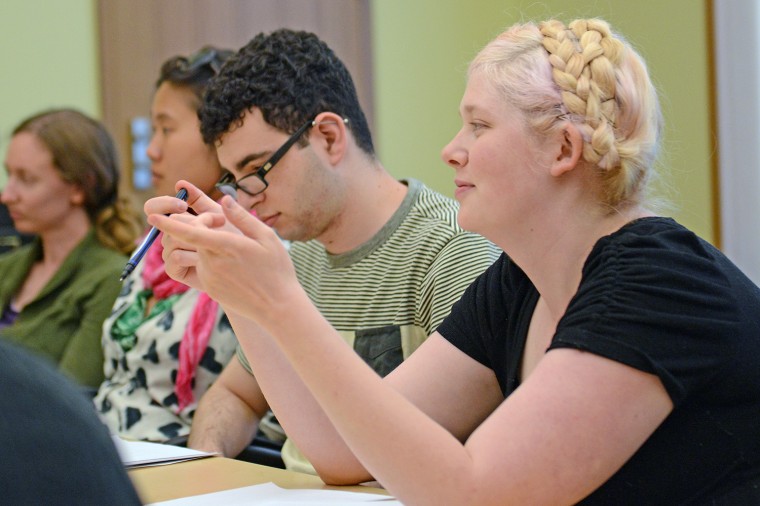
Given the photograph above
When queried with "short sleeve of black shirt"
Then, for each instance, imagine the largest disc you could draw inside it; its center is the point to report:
(491, 319)
(657, 298)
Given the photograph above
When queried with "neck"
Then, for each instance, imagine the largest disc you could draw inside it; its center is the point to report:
(372, 197)
(554, 257)
(60, 241)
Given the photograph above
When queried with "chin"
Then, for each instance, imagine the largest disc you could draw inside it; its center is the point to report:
(22, 229)
(465, 221)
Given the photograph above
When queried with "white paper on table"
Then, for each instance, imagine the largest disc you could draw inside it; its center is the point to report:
(269, 494)
(142, 453)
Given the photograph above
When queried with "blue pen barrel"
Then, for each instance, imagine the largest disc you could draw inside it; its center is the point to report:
(146, 244)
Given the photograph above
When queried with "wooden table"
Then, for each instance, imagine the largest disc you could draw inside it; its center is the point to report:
(214, 474)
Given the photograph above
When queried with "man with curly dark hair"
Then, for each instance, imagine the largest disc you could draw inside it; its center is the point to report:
(290, 77)
(382, 259)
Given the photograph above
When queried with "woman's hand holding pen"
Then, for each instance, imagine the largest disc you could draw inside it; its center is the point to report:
(181, 257)
(234, 257)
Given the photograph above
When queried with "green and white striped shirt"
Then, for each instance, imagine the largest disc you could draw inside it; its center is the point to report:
(389, 294)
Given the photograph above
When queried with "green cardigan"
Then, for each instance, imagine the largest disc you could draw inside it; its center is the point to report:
(64, 322)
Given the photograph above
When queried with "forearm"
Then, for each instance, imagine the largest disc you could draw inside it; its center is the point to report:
(393, 438)
(300, 415)
(223, 423)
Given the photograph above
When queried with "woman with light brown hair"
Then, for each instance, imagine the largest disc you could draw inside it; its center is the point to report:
(63, 186)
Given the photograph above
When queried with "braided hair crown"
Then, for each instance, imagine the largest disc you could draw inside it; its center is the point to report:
(583, 59)
(586, 74)
(606, 90)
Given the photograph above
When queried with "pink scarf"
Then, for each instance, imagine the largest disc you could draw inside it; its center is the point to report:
(198, 329)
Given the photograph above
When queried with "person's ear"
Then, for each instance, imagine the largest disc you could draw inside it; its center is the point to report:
(77, 196)
(569, 150)
(331, 133)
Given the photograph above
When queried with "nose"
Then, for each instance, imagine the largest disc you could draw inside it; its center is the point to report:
(6, 195)
(249, 201)
(154, 151)
(454, 154)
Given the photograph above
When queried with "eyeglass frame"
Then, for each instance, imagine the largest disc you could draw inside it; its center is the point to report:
(270, 163)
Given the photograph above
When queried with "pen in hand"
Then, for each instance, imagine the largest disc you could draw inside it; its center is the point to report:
(145, 245)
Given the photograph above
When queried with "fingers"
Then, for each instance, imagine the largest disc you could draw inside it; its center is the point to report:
(164, 205)
(243, 220)
(180, 259)
(191, 234)
(181, 265)
(199, 201)
(196, 199)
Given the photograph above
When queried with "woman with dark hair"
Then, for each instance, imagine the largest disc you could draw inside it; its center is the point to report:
(164, 342)
(63, 180)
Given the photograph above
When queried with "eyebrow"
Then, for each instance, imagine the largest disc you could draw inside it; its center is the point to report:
(470, 108)
(249, 158)
(161, 116)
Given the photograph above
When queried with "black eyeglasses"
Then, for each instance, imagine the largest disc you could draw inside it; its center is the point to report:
(255, 182)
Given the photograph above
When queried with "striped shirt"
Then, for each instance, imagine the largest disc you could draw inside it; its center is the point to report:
(389, 294)
(405, 279)
(409, 274)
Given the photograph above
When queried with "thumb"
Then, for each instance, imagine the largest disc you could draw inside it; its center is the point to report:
(243, 220)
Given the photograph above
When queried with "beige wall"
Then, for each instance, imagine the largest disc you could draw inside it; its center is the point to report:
(422, 49)
(49, 60)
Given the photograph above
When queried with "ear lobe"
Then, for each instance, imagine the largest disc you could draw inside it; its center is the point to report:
(570, 150)
(77, 197)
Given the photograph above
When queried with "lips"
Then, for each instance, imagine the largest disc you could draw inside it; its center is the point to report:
(269, 220)
(462, 188)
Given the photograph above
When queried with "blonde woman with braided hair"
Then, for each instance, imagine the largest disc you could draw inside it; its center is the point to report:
(610, 356)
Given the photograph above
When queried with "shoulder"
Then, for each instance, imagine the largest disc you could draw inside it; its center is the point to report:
(433, 208)
(653, 289)
(94, 249)
(92, 273)
(656, 246)
(98, 259)
(433, 220)
(655, 234)
(433, 217)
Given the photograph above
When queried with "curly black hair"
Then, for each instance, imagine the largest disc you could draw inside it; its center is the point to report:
(291, 76)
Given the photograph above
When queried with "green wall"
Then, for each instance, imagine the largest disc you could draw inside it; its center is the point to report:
(422, 48)
(49, 60)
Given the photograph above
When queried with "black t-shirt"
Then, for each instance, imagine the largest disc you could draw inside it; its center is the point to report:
(55, 449)
(657, 298)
